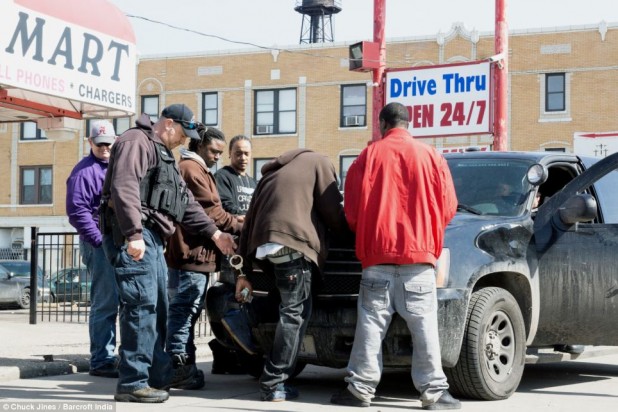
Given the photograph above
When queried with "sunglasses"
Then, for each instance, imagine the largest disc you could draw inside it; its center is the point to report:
(103, 144)
(192, 125)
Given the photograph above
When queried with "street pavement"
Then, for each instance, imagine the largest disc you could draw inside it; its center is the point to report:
(586, 384)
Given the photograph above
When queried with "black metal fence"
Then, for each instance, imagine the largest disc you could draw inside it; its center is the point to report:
(65, 291)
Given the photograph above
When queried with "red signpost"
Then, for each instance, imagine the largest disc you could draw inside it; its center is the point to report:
(500, 71)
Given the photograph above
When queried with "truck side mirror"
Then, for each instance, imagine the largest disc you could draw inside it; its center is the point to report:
(578, 208)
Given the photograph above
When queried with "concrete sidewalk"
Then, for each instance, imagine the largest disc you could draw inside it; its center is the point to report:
(49, 347)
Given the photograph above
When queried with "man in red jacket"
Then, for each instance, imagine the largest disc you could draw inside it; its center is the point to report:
(399, 197)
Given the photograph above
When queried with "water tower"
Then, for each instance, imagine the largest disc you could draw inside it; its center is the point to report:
(317, 25)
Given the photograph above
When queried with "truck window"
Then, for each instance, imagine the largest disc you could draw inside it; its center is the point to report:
(491, 186)
(559, 176)
(607, 197)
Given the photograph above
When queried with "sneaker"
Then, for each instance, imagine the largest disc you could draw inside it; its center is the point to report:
(108, 370)
(572, 349)
(143, 395)
(237, 325)
(345, 397)
(187, 377)
(446, 401)
(281, 393)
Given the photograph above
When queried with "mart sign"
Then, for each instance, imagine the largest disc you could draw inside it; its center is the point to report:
(79, 50)
(444, 100)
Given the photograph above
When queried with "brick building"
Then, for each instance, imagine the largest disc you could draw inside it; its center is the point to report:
(562, 82)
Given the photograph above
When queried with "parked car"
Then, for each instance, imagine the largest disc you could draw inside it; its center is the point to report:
(15, 284)
(511, 277)
(71, 285)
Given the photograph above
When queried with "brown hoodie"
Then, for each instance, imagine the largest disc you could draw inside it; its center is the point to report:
(196, 253)
(296, 202)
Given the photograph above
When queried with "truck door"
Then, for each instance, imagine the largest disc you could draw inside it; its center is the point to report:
(577, 264)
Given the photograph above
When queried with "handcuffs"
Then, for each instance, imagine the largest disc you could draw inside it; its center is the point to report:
(236, 262)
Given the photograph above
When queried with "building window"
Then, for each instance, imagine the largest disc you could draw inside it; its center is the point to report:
(121, 125)
(555, 92)
(345, 162)
(30, 131)
(275, 111)
(555, 97)
(150, 106)
(257, 166)
(36, 185)
(210, 109)
(353, 105)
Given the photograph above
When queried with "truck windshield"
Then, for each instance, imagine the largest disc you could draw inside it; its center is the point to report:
(491, 186)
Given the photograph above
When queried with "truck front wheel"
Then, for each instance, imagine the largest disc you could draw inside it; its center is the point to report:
(491, 362)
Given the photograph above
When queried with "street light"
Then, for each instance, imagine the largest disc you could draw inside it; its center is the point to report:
(364, 56)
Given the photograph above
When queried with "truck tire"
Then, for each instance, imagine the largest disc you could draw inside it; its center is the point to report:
(492, 357)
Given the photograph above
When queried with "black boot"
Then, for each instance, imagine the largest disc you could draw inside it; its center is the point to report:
(225, 360)
(186, 374)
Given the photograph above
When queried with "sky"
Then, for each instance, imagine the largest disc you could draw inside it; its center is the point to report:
(275, 23)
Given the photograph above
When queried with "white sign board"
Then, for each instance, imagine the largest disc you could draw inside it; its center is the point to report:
(43, 53)
(444, 100)
(595, 144)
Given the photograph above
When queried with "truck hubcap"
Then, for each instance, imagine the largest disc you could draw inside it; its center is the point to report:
(499, 346)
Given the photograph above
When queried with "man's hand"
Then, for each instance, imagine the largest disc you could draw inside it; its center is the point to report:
(136, 249)
(241, 283)
(225, 242)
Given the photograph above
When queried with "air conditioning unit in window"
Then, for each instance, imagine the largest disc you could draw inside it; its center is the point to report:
(264, 129)
(354, 120)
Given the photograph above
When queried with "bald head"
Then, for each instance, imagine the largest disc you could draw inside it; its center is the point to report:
(393, 115)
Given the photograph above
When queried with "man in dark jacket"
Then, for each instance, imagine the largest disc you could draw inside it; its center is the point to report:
(144, 198)
(294, 205)
(234, 184)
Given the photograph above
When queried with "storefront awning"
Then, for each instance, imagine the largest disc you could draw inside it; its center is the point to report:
(65, 58)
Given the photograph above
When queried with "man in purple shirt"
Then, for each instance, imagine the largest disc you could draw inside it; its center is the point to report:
(84, 187)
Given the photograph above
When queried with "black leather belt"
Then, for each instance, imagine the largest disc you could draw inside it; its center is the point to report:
(284, 258)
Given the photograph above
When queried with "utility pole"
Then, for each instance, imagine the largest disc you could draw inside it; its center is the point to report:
(501, 78)
(379, 23)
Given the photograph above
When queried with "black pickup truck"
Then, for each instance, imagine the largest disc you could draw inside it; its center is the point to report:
(529, 262)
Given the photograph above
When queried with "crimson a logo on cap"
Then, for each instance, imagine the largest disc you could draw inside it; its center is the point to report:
(102, 130)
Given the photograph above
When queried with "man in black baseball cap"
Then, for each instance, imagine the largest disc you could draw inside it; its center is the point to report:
(144, 199)
(181, 114)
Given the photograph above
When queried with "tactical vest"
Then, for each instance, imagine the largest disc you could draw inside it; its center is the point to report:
(162, 189)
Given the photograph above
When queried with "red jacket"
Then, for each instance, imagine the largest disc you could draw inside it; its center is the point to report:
(399, 197)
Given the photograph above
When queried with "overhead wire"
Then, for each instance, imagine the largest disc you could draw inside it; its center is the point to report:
(245, 43)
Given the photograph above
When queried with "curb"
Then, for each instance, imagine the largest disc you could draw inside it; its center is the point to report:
(33, 368)
(26, 369)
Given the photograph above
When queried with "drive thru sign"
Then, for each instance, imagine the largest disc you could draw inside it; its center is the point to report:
(444, 100)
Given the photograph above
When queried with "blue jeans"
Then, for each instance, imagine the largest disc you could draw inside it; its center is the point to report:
(186, 291)
(103, 305)
(143, 314)
(294, 283)
(410, 291)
